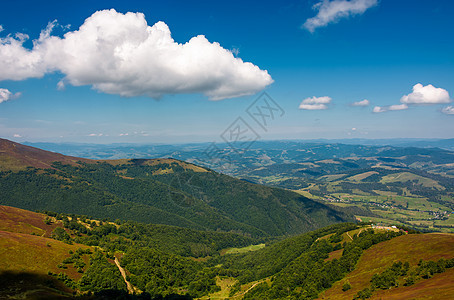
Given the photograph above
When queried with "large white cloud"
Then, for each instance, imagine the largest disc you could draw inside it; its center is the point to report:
(332, 11)
(315, 103)
(426, 95)
(17, 62)
(6, 95)
(120, 54)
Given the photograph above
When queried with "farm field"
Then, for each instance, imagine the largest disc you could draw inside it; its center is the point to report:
(390, 209)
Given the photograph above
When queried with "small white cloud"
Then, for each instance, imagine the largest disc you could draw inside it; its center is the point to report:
(426, 95)
(120, 54)
(364, 102)
(123, 134)
(398, 107)
(315, 103)
(354, 129)
(313, 106)
(1, 28)
(380, 109)
(17, 135)
(6, 95)
(95, 134)
(61, 85)
(332, 11)
(449, 110)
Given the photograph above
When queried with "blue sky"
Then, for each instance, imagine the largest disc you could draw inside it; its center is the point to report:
(364, 50)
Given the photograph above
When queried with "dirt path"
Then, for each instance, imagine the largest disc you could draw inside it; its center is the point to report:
(131, 289)
(246, 291)
(349, 236)
(253, 286)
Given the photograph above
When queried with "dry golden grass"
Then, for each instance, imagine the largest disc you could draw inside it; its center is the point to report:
(35, 254)
(438, 287)
(23, 221)
(335, 254)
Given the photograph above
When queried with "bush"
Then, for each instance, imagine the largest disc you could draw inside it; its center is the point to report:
(346, 286)
(364, 294)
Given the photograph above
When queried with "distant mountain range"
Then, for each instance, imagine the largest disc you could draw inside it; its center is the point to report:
(130, 150)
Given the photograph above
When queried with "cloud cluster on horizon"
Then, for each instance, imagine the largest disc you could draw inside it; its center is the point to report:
(120, 54)
(315, 103)
(6, 95)
(421, 95)
(332, 11)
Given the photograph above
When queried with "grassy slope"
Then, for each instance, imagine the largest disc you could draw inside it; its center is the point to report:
(15, 156)
(28, 258)
(406, 176)
(23, 221)
(409, 248)
(243, 249)
(439, 287)
(28, 253)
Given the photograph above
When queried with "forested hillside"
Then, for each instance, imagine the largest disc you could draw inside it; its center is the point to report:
(162, 191)
(390, 182)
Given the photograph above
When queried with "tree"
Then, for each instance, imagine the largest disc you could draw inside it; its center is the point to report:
(346, 286)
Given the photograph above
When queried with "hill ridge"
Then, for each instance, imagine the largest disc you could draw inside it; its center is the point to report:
(160, 191)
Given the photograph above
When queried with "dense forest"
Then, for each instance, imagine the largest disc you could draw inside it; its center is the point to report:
(171, 192)
(122, 235)
(296, 265)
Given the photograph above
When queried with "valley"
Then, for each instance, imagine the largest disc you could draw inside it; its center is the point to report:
(390, 184)
(169, 229)
(86, 256)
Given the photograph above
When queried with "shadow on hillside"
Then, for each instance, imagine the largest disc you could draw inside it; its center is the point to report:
(120, 295)
(26, 285)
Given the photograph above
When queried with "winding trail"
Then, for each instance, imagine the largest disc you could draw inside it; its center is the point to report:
(131, 289)
(349, 236)
(246, 291)
(253, 286)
